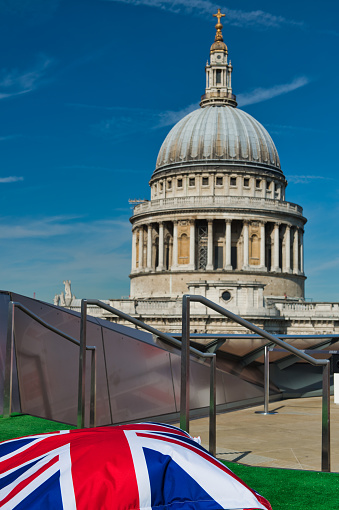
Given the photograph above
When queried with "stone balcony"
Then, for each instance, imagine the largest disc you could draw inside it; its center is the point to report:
(228, 202)
(308, 310)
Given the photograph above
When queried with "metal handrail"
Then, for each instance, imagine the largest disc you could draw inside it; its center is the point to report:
(163, 336)
(8, 383)
(187, 298)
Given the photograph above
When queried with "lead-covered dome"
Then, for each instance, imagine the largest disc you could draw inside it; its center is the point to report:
(220, 135)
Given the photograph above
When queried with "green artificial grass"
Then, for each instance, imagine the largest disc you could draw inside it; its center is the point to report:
(285, 489)
(23, 425)
(288, 489)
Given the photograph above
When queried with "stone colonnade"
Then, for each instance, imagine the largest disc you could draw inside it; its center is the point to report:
(191, 245)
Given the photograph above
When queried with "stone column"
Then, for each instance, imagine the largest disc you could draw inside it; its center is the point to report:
(275, 265)
(134, 250)
(149, 247)
(228, 245)
(141, 248)
(161, 247)
(287, 268)
(210, 246)
(301, 251)
(245, 238)
(262, 246)
(192, 245)
(175, 245)
(296, 251)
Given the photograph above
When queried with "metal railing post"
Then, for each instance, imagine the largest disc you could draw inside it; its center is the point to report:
(82, 365)
(213, 408)
(8, 382)
(185, 365)
(325, 437)
(266, 383)
(93, 410)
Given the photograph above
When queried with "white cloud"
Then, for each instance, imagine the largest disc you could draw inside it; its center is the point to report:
(128, 121)
(258, 18)
(4, 180)
(32, 10)
(39, 254)
(260, 94)
(305, 179)
(14, 82)
(169, 117)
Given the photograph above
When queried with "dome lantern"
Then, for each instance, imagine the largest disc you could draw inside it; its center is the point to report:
(218, 73)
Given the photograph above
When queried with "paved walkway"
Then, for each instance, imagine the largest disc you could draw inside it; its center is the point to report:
(289, 439)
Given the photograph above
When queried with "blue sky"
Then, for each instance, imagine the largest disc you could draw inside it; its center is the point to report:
(89, 90)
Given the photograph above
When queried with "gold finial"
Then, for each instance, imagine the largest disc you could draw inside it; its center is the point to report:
(218, 26)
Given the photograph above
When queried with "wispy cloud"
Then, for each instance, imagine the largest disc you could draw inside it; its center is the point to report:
(5, 180)
(53, 226)
(40, 254)
(32, 10)
(5, 138)
(289, 129)
(306, 179)
(14, 82)
(240, 18)
(260, 94)
(169, 117)
(128, 121)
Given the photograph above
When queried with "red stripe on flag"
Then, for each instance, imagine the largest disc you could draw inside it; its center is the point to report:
(103, 470)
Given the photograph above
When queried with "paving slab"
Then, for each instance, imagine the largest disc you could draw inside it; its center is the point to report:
(291, 438)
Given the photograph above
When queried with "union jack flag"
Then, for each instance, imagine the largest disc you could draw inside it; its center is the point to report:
(145, 466)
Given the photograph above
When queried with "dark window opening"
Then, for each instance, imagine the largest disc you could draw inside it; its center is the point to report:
(226, 296)
(169, 184)
(268, 184)
(205, 181)
(192, 181)
(258, 183)
(218, 257)
(179, 183)
(246, 182)
(234, 257)
(218, 181)
(161, 186)
(233, 181)
(218, 76)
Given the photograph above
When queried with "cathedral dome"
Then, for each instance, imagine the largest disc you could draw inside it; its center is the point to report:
(218, 135)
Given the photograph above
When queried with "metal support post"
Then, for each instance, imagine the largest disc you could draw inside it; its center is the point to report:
(8, 383)
(213, 411)
(82, 365)
(266, 383)
(93, 410)
(325, 436)
(185, 365)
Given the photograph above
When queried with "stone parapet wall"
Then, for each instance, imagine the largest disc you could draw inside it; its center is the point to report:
(226, 202)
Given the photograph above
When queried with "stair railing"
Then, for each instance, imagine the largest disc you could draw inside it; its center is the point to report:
(184, 408)
(167, 338)
(8, 383)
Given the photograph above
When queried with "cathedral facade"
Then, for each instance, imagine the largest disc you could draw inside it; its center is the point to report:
(218, 224)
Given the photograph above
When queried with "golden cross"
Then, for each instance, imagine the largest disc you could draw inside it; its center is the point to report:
(219, 15)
